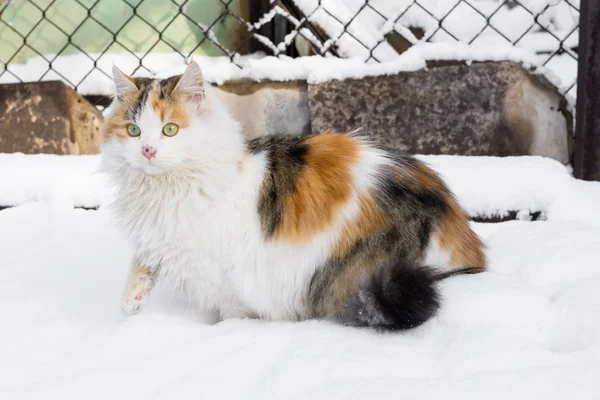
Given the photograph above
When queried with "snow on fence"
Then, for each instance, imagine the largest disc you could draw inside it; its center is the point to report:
(77, 40)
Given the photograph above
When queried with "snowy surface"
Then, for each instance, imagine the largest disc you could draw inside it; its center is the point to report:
(72, 180)
(314, 69)
(528, 328)
(485, 186)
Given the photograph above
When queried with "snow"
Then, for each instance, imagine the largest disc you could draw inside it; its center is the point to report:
(492, 186)
(527, 328)
(314, 69)
(463, 21)
(485, 186)
(72, 180)
(537, 26)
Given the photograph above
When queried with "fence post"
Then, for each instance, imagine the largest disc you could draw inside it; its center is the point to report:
(258, 8)
(587, 132)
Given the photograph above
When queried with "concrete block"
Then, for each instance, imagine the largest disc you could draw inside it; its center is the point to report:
(492, 109)
(47, 117)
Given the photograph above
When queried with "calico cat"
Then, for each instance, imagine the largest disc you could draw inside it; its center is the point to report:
(280, 227)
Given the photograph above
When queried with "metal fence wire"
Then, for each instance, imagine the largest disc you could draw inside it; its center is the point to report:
(36, 36)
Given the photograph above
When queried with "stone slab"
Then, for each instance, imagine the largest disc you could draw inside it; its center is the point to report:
(47, 117)
(492, 109)
(268, 107)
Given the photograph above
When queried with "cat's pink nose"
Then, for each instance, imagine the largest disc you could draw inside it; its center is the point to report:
(149, 152)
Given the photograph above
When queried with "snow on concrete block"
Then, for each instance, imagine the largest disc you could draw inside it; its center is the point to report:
(268, 107)
(47, 117)
(492, 109)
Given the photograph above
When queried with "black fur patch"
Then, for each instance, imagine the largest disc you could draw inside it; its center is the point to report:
(286, 158)
(166, 86)
(411, 214)
(397, 297)
(462, 271)
(392, 191)
(144, 86)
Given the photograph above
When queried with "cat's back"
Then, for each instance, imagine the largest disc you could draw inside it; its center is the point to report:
(341, 195)
(313, 183)
(344, 208)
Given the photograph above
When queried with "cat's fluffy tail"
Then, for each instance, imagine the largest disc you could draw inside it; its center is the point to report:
(397, 297)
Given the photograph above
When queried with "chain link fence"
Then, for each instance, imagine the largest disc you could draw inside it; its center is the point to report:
(78, 40)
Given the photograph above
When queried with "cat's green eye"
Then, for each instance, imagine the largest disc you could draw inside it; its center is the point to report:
(170, 129)
(133, 130)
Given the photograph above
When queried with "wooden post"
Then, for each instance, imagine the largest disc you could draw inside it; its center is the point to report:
(587, 132)
(258, 8)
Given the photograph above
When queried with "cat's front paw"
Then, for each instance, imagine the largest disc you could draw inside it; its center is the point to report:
(137, 290)
(134, 301)
(131, 307)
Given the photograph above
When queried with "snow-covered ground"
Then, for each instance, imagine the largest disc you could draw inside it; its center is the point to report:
(528, 328)
(485, 186)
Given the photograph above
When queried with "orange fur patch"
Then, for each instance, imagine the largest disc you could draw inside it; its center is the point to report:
(158, 105)
(420, 177)
(116, 127)
(323, 186)
(457, 237)
(454, 233)
(428, 179)
(170, 111)
(242, 163)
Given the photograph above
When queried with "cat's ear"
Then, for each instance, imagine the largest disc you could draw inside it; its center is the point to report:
(123, 83)
(191, 83)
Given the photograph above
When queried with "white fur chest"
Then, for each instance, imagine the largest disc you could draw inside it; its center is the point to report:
(215, 250)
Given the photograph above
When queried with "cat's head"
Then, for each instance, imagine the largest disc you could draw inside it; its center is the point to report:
(158, 125)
